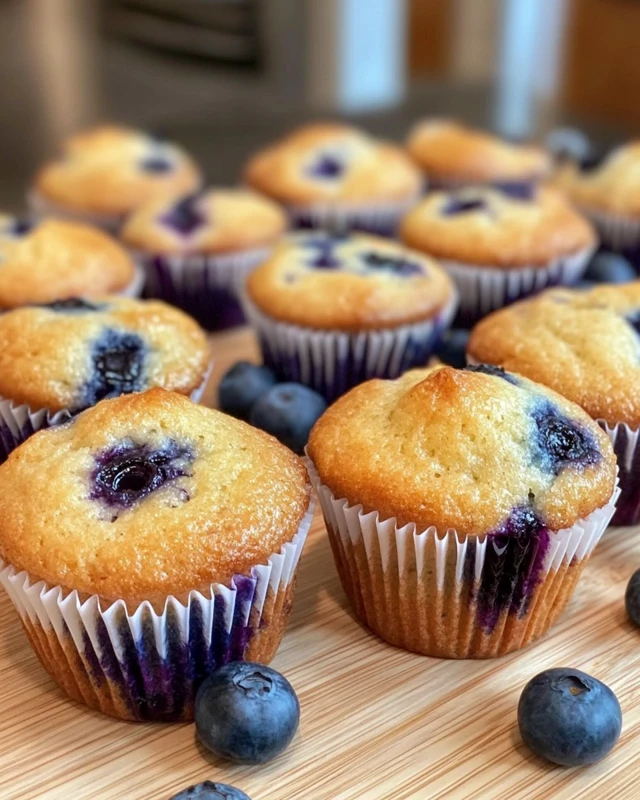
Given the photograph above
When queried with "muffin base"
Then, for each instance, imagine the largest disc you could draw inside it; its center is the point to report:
(449, 595)
(331, 362)
(18, 421)
(207, 287)
(486, 289)
(143, 665)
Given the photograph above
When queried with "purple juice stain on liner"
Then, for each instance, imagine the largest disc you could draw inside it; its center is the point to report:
(513, 567)
(559, 442)
(128, 473)
(397, 265)
(185, 217)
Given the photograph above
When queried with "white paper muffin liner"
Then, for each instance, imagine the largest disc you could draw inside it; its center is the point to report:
(141, 664)
(205, 286)
(625, 445)
(18, 421)
(332, 362)
(40, 207)
(453, 596)
(617, 232)
(485, 289)
(382, 219)
(134, 289)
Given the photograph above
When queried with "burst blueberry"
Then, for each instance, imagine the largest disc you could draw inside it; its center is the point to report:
(397, 265)
(208, 790)
(495, 372)
(288, 411)
(241, 386)
(569, 717)
(559, 442)
(185, 217)
(156, 164)
(74, 304)
(246, 713)
(326, 166)
(460, 205)
(517, 190)
(118, 361)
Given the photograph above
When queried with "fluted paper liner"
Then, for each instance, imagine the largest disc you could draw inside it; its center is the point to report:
(206, 286)
(486, 289)
(617, 232)
(19, 421)
(140, 664)
(625, 445)
(332, 361)
(449, 595)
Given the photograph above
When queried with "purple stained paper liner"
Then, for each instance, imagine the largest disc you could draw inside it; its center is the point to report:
(205, 286)
(625, 445)
(332, 362)
(485, 289)
(18, 421)
(142, 664)
(447, 595)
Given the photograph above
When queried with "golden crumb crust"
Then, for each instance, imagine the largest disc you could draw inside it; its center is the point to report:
(361, 170)
(244, 496)
(455, 449)
(446, 150)
(56, 260)
(613, 186)
(359, 282)
(46, 355)
(112, 170)
(583, 344)
(499, 231)
(231, 220)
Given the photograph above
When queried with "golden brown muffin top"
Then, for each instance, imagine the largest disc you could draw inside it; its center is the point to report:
(446, 150)
(148, 495)
(350, 283)
(112, 170)
(74, 353)
(583, 344)
(333, 163)
(53, 260)
(213, 221)
(483, 226)
(612, 185)
(475, 451)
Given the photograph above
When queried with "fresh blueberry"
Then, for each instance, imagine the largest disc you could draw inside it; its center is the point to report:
(460, 205)
(610, 268)
(288, 411)
(568, 717)
(211, 791)
(496, 372)
(118, 366)
(568, 144)
(560, 442)
(185, 217)
(632, 598)
(241, 386)
(398, 265)
(326, 166)
(73, 304)
(452, 348)
(247, 713)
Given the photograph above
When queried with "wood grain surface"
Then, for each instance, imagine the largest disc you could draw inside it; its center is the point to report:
(377, 723)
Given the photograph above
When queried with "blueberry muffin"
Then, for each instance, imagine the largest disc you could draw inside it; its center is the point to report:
(55, 260)
(167, 536)
(461, 505)
(499, 245)
(585, 345)
(452, 155)
(337, 177)
(333, 311)
(104, 173)
(197, 250)
(606, 187)
(61, 358)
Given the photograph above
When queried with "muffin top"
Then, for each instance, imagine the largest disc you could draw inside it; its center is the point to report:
(213, 221)
(448, 151)
(53, 260)
(583, 344)
(146, 496)
(325, 162)
(73, 353)
(349, 283)
(112, 170)
(610, 184)
(509, 228)
(478, 450)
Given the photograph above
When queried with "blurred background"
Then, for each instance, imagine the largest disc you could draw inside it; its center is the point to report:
(222, 77)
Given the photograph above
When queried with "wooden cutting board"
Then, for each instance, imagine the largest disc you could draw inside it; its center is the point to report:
(377, 723)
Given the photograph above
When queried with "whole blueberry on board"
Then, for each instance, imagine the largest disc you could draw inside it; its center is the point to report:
(568, 717)
(452, 348)
(241, 386)
(632, 598)
(288, 411)
(246, 713)
(211, 791)
(609, 268)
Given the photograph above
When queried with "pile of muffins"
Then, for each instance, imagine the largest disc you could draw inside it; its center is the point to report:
(146, 540)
